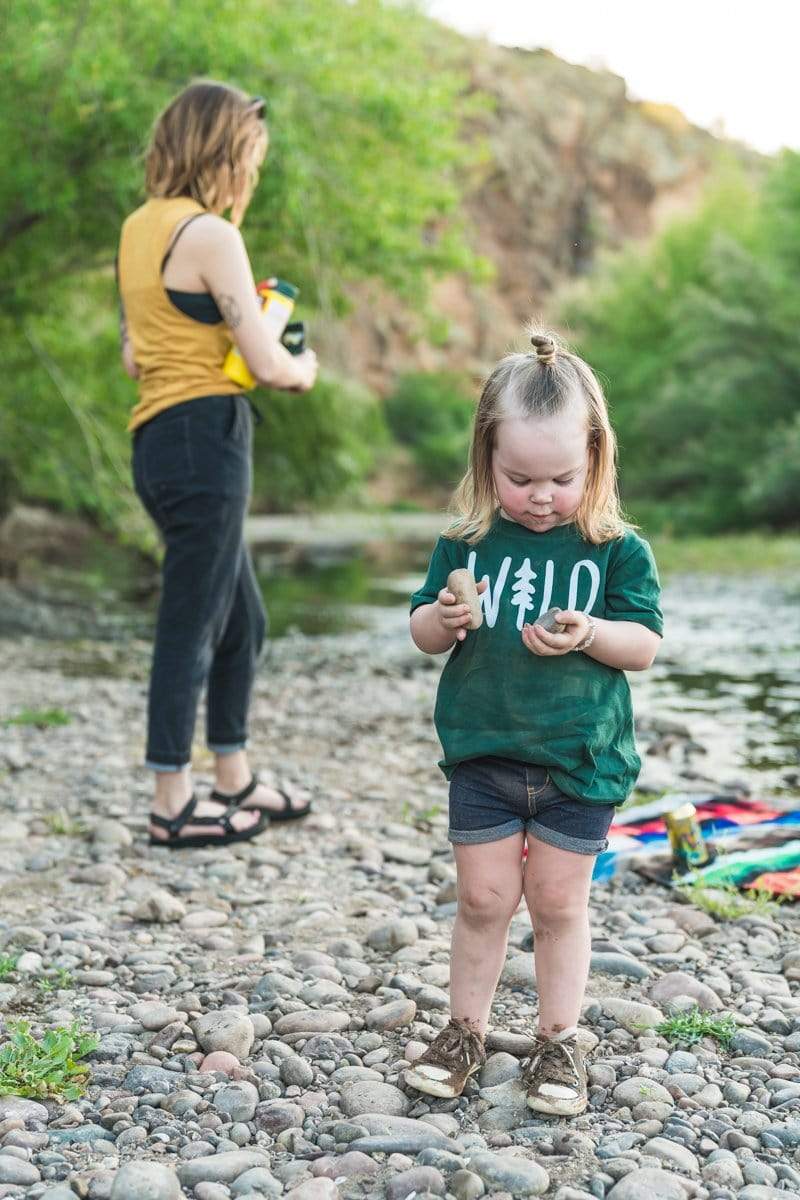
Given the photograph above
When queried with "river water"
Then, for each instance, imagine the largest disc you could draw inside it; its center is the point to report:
(726, 683)
(728, 670)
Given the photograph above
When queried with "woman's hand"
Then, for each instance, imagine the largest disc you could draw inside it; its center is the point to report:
(539, 641)
(454, 618)
(307, 366)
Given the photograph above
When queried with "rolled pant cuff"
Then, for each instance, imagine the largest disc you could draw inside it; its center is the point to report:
(167, 768)
(227, 747)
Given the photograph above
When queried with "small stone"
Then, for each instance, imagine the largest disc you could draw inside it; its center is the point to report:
(638, 1089)
(394, 935)
(747, 1041)
(211, 1191)
(225, 1030)
(275, 1116)
(153, 1015)
(519, 972)
(315, 1189)
(237, 1101)
(672, 1154)
(159, 906)
(519, 1176)
(724, 1172)
(146, 1181)
(499, 1068)
(150, 1079)
(692, 920)
(220, 1060)
(349, 1166)
(296, 1071)
(370, 1097)
(220, 1168)
(619, 964)
(466, 1185)
(14, 1170)
(15, 1108)
(257, 1181)
(760, 1191)
(418, 1179)
(632, 1015)
(204, 918)
(648, 1183)
(393, 1015)
(111, 833)
(679, 983)
(310, 1020)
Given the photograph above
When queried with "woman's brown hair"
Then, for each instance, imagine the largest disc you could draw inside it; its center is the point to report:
(540, 385)
(208, 143)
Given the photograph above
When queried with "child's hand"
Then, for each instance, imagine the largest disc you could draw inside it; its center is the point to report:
(454, 617)
(539, 641)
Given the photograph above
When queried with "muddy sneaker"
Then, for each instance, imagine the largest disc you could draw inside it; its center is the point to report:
(555, 1077)
(448, 1062)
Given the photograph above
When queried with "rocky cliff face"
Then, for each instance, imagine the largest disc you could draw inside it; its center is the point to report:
(573, 167)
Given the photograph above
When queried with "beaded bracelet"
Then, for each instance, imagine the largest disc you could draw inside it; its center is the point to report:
(587, 641)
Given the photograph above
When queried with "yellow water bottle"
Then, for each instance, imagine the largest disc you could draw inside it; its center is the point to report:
(277, 305)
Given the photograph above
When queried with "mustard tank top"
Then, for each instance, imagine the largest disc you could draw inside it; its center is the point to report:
(178, 357)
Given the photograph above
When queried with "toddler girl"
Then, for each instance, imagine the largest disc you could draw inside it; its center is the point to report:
(536, 727)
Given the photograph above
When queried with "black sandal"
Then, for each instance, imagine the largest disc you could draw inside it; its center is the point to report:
(174, 825)
(288, 813)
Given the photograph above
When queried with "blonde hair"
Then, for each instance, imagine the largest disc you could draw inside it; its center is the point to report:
(540, 384)
(208, 143)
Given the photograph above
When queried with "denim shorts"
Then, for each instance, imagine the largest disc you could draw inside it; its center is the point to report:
(494, 798)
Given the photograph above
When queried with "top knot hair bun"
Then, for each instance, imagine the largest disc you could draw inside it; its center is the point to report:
(545, 349)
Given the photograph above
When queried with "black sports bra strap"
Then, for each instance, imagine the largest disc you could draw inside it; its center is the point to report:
(174, 241)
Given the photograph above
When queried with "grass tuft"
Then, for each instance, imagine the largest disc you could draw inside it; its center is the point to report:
(48, 1067)
(8, 965)
(724, 900)
(41, 718)
(686, 1028)
(61, 823)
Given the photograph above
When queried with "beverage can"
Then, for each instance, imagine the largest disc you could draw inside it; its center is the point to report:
(277, 304)
(686, 838)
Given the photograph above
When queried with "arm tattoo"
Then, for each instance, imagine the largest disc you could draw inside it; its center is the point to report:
(123, 325)
(230, 311)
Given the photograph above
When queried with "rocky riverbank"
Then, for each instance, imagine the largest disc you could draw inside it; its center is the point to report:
(256, 1006)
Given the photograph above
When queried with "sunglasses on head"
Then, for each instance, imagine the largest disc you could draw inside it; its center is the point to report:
(258, 106)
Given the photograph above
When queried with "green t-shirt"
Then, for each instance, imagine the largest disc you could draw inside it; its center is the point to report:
(567, 713)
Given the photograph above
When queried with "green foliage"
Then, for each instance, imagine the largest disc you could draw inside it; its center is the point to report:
(362, 181)
(8, 965)
(315, 447)
(41, 718)
(689, 1027)
(46, 1067)
(431, 412)
(726, 901)
(696, 340)
(745, 553)
(62, 824)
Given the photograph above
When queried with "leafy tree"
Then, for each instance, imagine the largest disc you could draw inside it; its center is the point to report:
(695, 337)
(365, 106)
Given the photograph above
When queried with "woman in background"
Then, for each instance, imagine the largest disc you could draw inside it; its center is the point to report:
(187, 291)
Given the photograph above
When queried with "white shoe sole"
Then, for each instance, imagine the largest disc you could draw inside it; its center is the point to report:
(434, 1087)
(558, 1108)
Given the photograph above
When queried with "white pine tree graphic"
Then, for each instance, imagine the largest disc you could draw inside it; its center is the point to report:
(522, 591)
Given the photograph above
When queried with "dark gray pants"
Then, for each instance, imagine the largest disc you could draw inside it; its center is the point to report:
(193, 473)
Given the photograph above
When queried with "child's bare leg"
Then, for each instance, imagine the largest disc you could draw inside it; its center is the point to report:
(489, 892)
(556, 888)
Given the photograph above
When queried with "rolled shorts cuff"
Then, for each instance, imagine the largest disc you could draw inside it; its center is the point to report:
(167, 768)
(227, 747)
(494, 833)
(564, 842)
